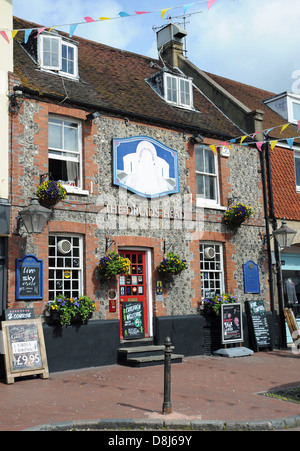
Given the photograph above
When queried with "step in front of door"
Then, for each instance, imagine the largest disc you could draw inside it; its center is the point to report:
(145, 356)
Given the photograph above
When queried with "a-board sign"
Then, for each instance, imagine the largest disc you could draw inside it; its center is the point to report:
(133, 320)
(15, 314)
(24, 349)
(232, 323)
(259, 325)
(29, 278)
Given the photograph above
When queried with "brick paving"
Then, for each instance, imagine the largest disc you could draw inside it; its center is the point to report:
(204, 387)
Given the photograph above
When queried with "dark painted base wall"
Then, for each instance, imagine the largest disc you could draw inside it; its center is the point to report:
(96, 343)
(82, 346)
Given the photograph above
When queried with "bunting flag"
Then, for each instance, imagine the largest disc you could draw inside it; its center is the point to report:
(213, 148)
(88, 19)
(210, 3)
(273, 144)
(284, 127)
(4, 35)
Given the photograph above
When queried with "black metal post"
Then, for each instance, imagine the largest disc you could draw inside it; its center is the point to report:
(282, 343)
(167, 405)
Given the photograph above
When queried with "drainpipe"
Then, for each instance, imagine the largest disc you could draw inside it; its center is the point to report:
(276, 249)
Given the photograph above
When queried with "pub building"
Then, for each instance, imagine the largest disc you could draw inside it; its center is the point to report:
(145, 162)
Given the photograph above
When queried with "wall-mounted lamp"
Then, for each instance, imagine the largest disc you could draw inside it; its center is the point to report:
(34, 217)
(90, 117)
(284, 236)
(15, 102)
(196, 139)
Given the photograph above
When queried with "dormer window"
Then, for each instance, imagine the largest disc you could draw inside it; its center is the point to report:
(178, 90)
(58, 54)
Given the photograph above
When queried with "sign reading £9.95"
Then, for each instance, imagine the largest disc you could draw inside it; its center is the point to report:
(145, 166)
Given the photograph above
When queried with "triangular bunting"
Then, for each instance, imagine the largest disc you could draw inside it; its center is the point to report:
(284, 127)
(163, 12)
(186, 7)
(104, 18)
(243, 139)
(273, 144)
(259, 145)
(290, 142)
(123, 14)
(141, 12)
(40, 30)
(72, 29)
(210, 3)
(4, 35)
(27, 34)
(298, 125)
(13, 33)
(88, 19)
(213, 148)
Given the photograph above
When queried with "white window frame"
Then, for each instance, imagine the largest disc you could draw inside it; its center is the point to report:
(178, 82)
(203, 201)
(213, 272)
(63, 268)
(69, 188)
(58, 69)
(297, 158)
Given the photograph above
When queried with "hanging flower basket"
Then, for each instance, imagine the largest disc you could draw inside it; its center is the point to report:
(66, 310)
(172, 264)
(50, 193)
(112, 265)
(237, 214)
(213, 306)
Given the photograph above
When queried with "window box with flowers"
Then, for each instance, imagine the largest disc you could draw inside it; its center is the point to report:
(172, 264)
(237, 214)
(50, 193)
(112, 265)
(64, 310)
(213, 306)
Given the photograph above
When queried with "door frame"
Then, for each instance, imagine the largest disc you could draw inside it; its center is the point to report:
(149, 279)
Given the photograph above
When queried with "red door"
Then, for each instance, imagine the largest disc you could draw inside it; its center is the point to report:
(132, 286)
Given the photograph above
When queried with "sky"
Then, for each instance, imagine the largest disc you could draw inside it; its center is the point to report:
(251, 41)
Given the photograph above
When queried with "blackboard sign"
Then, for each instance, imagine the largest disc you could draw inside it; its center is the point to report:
(18, 314)
(29, 278)
(133, 320)
(232, 323)
(251, 277)
(258, 322)
(24, 349)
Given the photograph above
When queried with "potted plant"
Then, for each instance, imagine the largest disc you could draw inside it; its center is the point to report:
(66, 310)
(172, 264)
(237, 214)
(50, 193)
(112, 265)
(213, 305)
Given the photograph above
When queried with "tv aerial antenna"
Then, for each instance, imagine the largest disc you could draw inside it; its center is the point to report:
(183, 24)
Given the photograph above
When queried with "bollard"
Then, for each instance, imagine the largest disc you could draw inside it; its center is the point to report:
(167, 405)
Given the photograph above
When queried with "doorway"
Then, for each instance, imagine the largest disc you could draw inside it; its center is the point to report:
(133, 287)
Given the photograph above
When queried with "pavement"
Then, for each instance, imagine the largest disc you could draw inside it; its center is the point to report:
(207, 393)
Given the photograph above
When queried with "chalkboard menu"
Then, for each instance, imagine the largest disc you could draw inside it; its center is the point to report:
(18, 314)
(24, 349)
(232, 323)
(258, 322)
(133, 320)
(29, 278)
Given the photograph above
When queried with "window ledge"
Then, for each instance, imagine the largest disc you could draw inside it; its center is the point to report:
(75, 190)
(202, 203)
